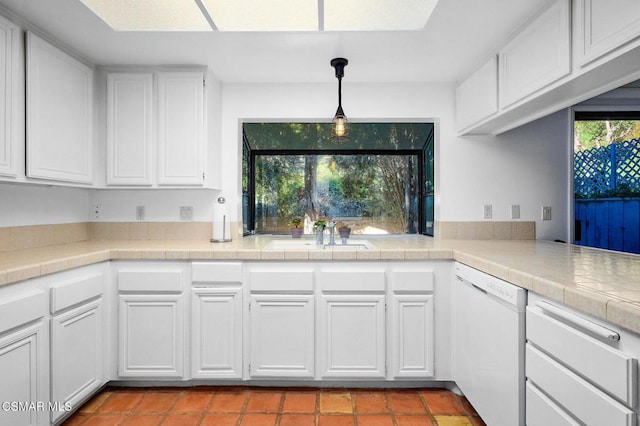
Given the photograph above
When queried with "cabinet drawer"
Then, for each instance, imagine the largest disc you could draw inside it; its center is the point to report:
(588, 404)
(76, 291)
(412, 281)
(216, 272)
(150, 281)
(287, 281)
(352, 280)
(608, 368)
(22, 310)
(541, 411)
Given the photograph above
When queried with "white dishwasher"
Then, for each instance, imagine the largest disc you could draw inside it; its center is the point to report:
(488, 345)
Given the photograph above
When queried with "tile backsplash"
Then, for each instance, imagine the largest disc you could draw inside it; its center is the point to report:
(486, 230)
(25, 237)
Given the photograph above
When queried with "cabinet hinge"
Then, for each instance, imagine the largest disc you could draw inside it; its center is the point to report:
(204, 82)
(202, 176)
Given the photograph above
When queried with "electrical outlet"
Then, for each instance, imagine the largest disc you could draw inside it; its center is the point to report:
(487, 211)
(96, 211)
(546, 213)
(186, 212)
(140, 212)
(515, 211)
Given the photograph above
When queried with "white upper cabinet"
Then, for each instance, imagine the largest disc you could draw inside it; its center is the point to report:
(129, 132)
(9, 34)
(180, 128)
(604, 25)
(59, 114)
(155, 128)
(537, 56)
(477, 96)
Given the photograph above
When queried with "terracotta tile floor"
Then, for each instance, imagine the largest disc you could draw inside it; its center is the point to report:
(221, 406)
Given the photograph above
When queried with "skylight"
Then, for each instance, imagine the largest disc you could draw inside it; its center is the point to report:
(263, 15)
(256, 15)
(150, 15)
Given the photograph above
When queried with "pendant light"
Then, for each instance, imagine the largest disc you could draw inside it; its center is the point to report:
(339, 127)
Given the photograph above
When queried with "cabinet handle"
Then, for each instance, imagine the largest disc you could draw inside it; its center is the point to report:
(597, 329)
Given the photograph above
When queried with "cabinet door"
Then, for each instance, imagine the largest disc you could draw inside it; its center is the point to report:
(352, 337)
(217, 333)
(76, 354)
(603, 26)
(59, 114)
(9, 34)
(537, 56)
(477, 96)
(129, 136)
(413, 338)
(151, 336)
(180, 128)
(282, 335)
(21, 370)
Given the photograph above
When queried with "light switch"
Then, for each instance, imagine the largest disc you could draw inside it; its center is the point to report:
(546, 213)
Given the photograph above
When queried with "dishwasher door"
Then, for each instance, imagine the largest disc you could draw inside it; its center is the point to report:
(488, 345)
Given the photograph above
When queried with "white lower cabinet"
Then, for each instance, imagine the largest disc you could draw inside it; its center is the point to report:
(151, 320)
(282, 335)
(412, 342)
(77, 336)
(216, 332)
(352, 336)
(23, 359)
(151, 336)
(413, 335)
(352, 321)
(76, 354)
(580, 370)
(281, 329)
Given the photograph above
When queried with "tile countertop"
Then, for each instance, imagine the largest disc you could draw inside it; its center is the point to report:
(603, 283)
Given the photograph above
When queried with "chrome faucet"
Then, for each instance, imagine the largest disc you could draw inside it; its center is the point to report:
(332, 233)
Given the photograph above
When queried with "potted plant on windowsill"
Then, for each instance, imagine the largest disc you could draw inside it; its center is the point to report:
(344, 231)
(296, 232)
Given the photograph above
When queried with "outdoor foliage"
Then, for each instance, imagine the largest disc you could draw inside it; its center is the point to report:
(590, 134)
(295, 178)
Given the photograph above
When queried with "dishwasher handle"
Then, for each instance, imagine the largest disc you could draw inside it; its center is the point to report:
(477, 287)
(600, 331)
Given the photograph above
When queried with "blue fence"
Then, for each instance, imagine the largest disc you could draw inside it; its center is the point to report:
(608, 171)
(609, 223)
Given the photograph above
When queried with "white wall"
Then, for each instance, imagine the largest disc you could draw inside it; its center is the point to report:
(22, 204)
(528, 166)
(161, 205)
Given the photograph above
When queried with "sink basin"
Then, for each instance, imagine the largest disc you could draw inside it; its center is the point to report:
(308, 244)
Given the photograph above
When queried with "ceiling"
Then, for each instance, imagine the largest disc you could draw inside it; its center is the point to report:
(458, 37)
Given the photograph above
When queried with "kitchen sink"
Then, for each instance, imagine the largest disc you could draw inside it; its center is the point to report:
(308, 244)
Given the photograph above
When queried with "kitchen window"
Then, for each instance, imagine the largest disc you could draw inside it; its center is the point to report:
(380, 182)
(606, 176)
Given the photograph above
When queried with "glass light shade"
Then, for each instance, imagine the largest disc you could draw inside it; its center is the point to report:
(340, 128)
